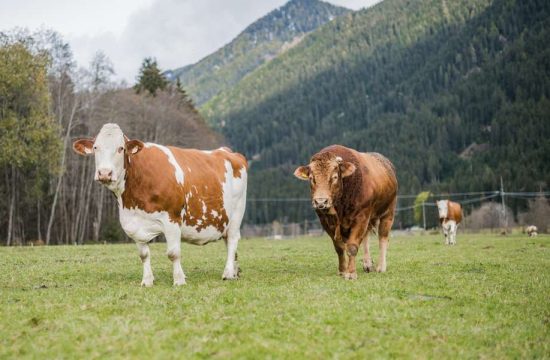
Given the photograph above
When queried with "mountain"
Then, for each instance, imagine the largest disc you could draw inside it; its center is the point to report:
(260, 42)
(456, 93)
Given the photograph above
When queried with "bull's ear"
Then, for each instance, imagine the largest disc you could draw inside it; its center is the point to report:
(302, 172)
(347, 168)
(134, 146)
(84, 146)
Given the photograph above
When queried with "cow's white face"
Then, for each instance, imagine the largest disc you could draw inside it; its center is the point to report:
(110, 147)
(443, 208)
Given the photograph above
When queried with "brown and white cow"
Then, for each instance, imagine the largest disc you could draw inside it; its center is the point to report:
(532, 231)
(186, 194)
(450, 215)
(352, 194)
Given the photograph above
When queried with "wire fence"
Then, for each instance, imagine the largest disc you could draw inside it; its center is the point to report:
(291, 217)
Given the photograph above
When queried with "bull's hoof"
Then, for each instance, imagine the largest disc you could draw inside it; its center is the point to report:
(350, 276)
(368, 268)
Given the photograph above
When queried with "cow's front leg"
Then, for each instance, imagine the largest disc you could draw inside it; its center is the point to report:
(446, 233)
(145, 256)
(173, 250)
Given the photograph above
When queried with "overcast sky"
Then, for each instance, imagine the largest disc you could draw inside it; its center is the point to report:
(176, 32)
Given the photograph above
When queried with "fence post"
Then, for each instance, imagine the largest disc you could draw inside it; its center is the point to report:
(424, 214)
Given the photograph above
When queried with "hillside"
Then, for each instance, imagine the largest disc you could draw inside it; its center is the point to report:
(455, 93)
(263, 40)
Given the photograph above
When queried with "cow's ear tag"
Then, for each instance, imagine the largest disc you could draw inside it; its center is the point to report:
(302, 172)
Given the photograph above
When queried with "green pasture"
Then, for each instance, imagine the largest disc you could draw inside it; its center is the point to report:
(487, 297)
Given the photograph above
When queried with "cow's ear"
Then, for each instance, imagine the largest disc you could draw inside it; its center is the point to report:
(134, 146)
(84, 146)
(347, 168)
(302, 172)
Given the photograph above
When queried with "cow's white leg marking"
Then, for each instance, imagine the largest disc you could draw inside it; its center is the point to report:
(367, 260)
(172, 233)
(383, 244)
(453, 227)
(145, 256)
(238, 186)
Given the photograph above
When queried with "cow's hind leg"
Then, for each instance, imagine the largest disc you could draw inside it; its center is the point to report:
(173, 251)
(367, 260)
(232, 270)
(383, 240)
(145, 256)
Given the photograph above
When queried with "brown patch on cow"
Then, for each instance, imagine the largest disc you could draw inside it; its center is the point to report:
(454, 212)
(151, 185)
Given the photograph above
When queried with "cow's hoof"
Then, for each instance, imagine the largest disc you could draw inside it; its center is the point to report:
(350, 276)
(179, 282)
(341, 273)
(381, 269)
(235, 277)
(147, 282)
(230, 275)
(368, 268)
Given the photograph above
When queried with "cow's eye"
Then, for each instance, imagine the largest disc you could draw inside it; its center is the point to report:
(120, 149)
(95, 148)
(334, 177)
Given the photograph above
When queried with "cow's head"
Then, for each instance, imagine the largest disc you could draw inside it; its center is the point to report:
(111, 148)
(325, 174)
(443, 208)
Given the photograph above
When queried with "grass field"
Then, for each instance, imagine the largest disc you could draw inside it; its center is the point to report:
(487, 297)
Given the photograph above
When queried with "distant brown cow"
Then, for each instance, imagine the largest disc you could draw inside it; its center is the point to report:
(352, 194)
(450, 215)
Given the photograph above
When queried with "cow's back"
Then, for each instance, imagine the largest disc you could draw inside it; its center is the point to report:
(196, 188)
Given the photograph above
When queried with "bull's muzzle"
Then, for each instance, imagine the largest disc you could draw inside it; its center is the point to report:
(321, 203)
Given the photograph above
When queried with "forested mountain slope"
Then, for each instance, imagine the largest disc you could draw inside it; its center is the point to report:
(269, 36)
(456, 93)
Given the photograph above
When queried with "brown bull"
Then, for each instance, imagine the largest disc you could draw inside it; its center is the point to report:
(352, 194)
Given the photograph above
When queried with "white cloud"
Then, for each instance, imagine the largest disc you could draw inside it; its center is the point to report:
(176, 32)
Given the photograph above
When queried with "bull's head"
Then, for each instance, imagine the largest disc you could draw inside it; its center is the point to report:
(111, 148)
(325, 173)
(443, 208)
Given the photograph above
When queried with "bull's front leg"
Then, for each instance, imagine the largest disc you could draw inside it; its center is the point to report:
(145, 256)
(340, 247)
(357, 234)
